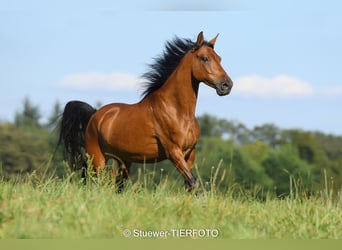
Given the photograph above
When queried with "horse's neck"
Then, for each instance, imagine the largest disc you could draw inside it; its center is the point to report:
(180, 90)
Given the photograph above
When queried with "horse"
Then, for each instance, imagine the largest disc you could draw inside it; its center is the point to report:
(162, 125)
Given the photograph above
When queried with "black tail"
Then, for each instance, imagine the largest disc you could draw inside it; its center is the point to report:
(75, 118)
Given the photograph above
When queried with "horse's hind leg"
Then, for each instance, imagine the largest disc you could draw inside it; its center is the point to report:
(122, 176)
(97, 157)
(98, 163)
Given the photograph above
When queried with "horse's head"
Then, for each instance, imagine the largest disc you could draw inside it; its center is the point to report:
(206, 66)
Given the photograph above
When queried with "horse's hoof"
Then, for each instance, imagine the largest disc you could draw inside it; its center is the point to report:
(193, 187)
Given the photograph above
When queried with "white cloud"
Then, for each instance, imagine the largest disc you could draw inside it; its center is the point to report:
(278, 86)
(93, 80)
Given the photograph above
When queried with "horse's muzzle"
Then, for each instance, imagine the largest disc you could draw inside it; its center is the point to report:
(223, 88)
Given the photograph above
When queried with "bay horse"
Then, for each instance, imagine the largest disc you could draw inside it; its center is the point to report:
(160, 126)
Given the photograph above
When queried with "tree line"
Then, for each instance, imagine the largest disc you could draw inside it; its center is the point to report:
(228, 152)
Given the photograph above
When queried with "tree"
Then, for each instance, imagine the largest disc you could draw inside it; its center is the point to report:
(236, 161)
(305, 143)
(268, 133)
(283, 165)
(23, 150)
(209, 125)
(235, 131)
(55, 115)
(30, 115)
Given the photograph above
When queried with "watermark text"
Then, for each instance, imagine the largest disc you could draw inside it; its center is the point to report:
(172, 233)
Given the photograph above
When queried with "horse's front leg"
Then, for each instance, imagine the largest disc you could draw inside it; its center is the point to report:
(190, 158)
(178, 159)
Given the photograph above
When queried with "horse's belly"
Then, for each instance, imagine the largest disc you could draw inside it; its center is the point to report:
(138, 151)
(134, 146)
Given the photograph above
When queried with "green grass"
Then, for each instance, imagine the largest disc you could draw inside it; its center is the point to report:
(45, 207)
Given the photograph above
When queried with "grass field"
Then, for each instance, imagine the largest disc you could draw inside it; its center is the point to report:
(35, 207)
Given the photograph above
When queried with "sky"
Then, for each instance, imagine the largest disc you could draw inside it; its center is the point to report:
(285, 57)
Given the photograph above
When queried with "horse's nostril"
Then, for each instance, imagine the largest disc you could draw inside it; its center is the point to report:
(225, 86)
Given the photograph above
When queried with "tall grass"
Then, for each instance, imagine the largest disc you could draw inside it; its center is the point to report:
(43, 206)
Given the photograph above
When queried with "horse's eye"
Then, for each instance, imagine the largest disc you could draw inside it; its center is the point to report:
(204, 59)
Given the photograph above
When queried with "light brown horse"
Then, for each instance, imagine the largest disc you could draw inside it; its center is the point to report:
(161, 126)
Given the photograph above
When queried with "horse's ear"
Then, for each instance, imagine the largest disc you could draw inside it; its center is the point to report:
(212, 41)
(200, 40)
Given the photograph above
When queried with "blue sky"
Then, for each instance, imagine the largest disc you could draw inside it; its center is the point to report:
(285, 57)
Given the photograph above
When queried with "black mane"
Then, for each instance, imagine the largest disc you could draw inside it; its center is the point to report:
(166, 63)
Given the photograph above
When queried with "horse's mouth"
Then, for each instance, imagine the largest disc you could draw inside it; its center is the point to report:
(223, 88)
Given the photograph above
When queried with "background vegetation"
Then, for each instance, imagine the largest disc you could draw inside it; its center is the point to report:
(264, 156)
